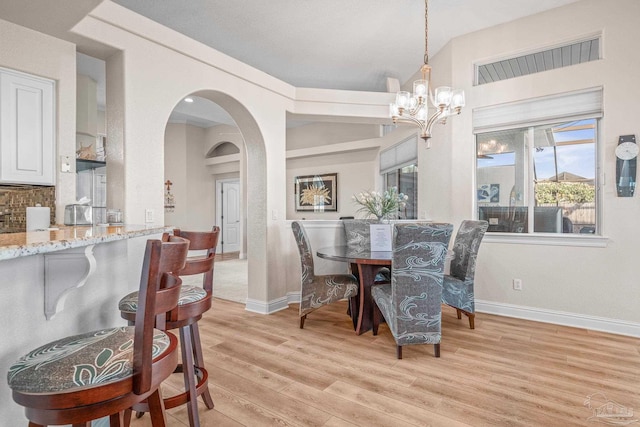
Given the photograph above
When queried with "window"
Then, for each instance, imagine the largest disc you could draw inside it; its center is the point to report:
(539, 179)
(405, 179)
(399, 168)
(536, 165)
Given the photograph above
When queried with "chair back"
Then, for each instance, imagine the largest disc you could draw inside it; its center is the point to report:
(358, 234)
(306, 255)
(466, 246)
(159, 293)
(198, 241)
(419, 251)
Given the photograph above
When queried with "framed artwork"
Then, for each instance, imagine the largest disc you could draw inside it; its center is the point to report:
(489, 193)
(317, 193)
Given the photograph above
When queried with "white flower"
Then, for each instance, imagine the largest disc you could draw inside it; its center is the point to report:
(381, 204)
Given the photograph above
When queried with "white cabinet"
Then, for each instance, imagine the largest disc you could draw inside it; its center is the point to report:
(27, 132)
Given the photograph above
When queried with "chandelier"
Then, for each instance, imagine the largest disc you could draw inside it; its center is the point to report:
(412, 108)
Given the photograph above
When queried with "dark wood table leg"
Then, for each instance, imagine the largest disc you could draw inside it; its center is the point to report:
(367, 274)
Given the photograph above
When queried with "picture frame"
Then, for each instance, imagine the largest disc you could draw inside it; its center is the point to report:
(489, 193)
(316, 193)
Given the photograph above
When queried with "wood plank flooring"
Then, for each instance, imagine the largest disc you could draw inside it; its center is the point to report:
(264, 371)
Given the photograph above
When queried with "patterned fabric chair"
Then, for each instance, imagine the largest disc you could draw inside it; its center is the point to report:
(317, 291)
(457, 289)
(103, 373)
(411, 303)
(358, 239)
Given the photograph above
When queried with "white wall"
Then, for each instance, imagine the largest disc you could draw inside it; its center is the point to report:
(326, 133)
(568, 283)
(35, 53)
(193, 186)
(175, 170)
(353, 176)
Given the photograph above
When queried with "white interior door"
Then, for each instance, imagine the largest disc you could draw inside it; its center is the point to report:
(229, 203)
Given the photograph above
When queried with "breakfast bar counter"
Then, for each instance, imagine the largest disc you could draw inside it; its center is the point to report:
(14, 245)
(62, 282)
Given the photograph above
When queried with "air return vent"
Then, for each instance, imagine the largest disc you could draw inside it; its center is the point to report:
(558, 57)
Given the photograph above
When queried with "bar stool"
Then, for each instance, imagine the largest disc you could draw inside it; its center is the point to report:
(193, 303)
(102, 373)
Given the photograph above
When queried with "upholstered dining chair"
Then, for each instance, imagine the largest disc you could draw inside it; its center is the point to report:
(358, 239)
(317, 291)
(411, 303)
(103, 373)
(194, 301)
(457, 290)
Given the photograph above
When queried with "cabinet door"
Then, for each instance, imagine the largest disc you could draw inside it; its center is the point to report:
(27, 136)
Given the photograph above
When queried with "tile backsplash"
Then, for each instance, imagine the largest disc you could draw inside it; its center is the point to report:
(14, 201)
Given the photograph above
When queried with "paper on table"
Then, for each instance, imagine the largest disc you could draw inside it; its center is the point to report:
(381, 237)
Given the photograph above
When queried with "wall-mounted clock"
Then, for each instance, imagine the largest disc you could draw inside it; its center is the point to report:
(627, 154)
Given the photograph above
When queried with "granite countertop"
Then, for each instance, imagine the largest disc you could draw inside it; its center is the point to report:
(15, 245)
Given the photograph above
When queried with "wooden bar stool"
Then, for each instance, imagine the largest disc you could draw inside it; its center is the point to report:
(103, 373)
(194, 302)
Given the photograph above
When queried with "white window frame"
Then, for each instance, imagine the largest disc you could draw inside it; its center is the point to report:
(568, 106)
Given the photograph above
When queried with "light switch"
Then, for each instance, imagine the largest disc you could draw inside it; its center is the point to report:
(65, 164)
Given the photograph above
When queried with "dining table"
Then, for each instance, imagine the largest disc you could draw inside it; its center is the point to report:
(366, 264)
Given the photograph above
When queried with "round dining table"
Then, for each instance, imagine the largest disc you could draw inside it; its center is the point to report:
(366, 265)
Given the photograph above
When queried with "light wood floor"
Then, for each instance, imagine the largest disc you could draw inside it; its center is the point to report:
(227, 256)
(266, 371)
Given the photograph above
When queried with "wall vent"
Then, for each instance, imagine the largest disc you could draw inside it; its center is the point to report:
(558, 57)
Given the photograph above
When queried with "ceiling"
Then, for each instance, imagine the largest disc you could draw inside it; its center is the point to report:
(333, 44)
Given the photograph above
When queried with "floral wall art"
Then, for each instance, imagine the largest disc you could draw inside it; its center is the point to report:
(317, 193)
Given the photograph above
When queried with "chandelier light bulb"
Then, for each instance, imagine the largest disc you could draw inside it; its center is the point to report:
(420, 88)
(403, 99)
(457, 99)
(443, 96)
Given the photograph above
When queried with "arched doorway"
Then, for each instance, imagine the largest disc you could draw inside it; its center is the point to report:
(224, 140)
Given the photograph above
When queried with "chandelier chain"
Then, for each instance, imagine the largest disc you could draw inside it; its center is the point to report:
(426, 32)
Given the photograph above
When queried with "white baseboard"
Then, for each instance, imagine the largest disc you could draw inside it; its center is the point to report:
(268, 307)
(603, 324)
(575, 320)
(293, 297)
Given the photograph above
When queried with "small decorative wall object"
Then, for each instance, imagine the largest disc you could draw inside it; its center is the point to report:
(169, 200)
(86, 152)
(489, 193)
(317, 193)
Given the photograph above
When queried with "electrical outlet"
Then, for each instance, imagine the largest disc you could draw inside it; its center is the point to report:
(148, 215)
(517, 284)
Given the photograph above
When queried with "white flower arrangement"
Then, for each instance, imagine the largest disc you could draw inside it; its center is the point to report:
(381, 205)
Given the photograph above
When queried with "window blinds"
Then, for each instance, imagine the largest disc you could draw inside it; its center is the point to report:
(401, 154)
(576, 105)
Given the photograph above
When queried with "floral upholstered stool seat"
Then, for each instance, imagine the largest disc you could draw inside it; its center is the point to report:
(80, 362)
(188, 294)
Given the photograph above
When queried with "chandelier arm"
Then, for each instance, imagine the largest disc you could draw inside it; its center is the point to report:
(408, 119)
(434, 119)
